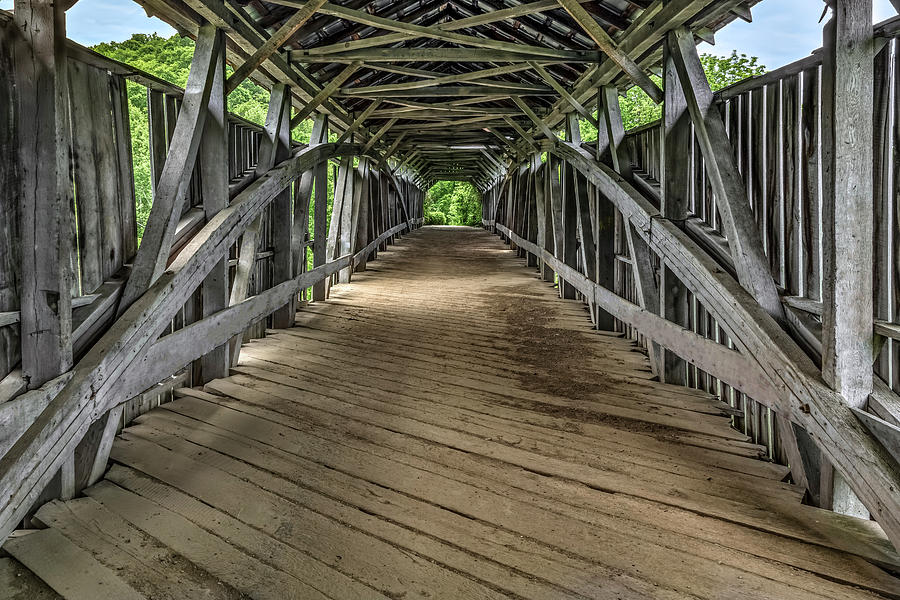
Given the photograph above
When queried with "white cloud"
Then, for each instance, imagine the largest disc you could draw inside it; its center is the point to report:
(93, 21)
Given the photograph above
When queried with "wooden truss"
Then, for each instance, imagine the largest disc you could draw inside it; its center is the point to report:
(418, 92)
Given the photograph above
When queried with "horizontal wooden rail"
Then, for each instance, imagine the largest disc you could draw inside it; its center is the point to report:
(802, 395)
(172, 352)
(94, 384)
(723, 362)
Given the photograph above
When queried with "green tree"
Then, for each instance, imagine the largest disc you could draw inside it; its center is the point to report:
(721, 71)
(170, 60)
(453, 203)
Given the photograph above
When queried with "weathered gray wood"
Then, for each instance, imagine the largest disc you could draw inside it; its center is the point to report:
(847, 213)
(282, 217)
(847, 93)
(45, 192)
(320, 215)
(10, 251)
(803, 397)
(177, 348)
(33, 460)
(214, 170)
(645, 286)
(150, 261)
(126, 198)
(362, 208)
(69, 570)
(17, 414)
(325, 93)
(612, 50)
(538, 122)
(612, 115)
(707, 354)
(357, 122)
(359, 16)
(272, 44)
(675, 188)
(742, 232)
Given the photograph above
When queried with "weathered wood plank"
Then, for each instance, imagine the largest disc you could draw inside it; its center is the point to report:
(743, 235)
(69, 570)
(45, 192)
(150, 260)
(804, 398)
(31, 462)
(847, 208)
(212, 160)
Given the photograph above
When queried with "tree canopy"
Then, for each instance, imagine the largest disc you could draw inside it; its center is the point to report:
(721, 71)
(453, 203)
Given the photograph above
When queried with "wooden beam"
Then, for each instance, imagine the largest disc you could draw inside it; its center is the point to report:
(848, 216)
(213, 162)
(358, 121)
(156, 244)
(436, 79)
(612, 50)
(241, 29)
(391, 149)
(179, 346)
(442, 55)
(271, 45)
(45, 192)
(485, 18)
(675, 189)
(270, 149)
(94, 383)
(847, 208)
(550, 135)
(410, 29)
(379, 134)
(615, 131)
(647, 31)
(742, 231)
(706, 354)
(802, 396)
(488, 93)
(325, 93)
(564, 93)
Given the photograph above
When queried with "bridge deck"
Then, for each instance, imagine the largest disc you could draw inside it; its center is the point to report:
(445, 427)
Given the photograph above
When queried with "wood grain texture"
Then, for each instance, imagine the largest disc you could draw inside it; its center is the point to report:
(502, 451)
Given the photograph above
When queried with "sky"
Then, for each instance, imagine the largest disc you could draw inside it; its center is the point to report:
(782, 30)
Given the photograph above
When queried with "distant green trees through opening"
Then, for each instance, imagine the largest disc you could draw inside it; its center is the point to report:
(453, 203)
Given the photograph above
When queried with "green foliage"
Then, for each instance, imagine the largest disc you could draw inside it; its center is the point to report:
(170, 59)
(721, 71)
(453, 203)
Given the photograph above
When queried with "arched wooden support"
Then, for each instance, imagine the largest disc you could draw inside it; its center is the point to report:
(776, 369)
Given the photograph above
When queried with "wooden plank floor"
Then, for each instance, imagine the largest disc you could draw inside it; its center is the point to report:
(445, 427)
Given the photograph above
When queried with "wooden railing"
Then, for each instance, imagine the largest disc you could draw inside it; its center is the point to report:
(126, 357)
(774, 123)
(581, 220)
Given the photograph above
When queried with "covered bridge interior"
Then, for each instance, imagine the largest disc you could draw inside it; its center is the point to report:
(666, 367)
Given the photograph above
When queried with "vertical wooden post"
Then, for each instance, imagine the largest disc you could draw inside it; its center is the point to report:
(214, 171)
(847, 213)
(320, 209)
(362, 212)
(554, 192)
(612, 115)
(45, 198)
(569, 216)
(282, 229)
(677, 140)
